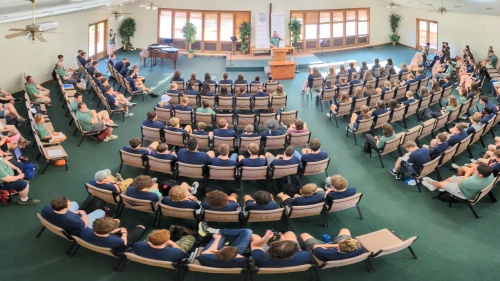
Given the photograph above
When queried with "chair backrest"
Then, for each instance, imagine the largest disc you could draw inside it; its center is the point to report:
(488, 125)
(222, 173)
(195, 266)
(175, 138)
(474, 101)
(392, 145)
(254, 88)
(222, 216)
(278, 172)
(388, 95)
(344, 109)
(393, 78)
(346, 88)
(229, 118)
(180, 86)
(288, 117)
(464, 108)
(447, 92)
(343, 262)
(345, 203)
(278, 101)
(462, 146)
(317, 83)
(209, 99)
(244, 119)
(424, 103)
(317, 167)
(436, 97)
(225, 103)
(428, 168)
(185, 117)
(181, 213)
(424, 82)
(146, 206)
(160, 165)
(85, 244)
(411, 134)
(243, 142)
(381, 120)
(163, 114)
(271, 87)
(364, 125)
(238, 86)
(328, 94)
(404, 76)
(243, 103)
(477, 135)
(453, 115)
(228, 86)
(230, 141)
(158, 263)
(207, 118)
(400, 92)
(203, 141)
(305, 211)
(52, 228)
(497, 119)
(265, 215)
(281, 270)
(265, 116)
(299, 139)
(174, 98)
(427, 128)
(372, 82)
(384, 242)
(103, 194)
(331, 78)
(484, 191)
(359, 103)
(190, 171)
(253, 173)
(131, 159)
(448, 155)
(151, 134)
(260, 103)
(413, 86)
(275, 142)
(440, 121)
(374, 99)
(412, 108)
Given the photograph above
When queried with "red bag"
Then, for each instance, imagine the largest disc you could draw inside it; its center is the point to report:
(102, 135)
(4, 197)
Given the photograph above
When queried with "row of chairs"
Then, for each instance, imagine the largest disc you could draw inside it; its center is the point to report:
(252, 88)
(123, 83)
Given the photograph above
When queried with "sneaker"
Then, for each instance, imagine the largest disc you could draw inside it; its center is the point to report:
(329, 115)
(153, 95)
(391, 170)
(154, 180)
(397, 177)
(129, 114)
(202, 229)
(130, 104)
(473, 161)
(430, 186)
(21, 119)
(194, 187)
(129, 98)
(349, 129)
(29, 202)
(429, 180)
(455, 166)
(112, 125)
(112, 137)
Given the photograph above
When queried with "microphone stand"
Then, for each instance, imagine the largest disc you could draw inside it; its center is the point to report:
(297, 64)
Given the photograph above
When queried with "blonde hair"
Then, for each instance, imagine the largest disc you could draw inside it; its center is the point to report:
(177, 193)
(331, 70)
(184, 101)
(279, 90)
(174, 122)
(338, 182)
(358, 92)
(173, 86)
(349, 245)
(365, 111)
(344, 97)
(368, 75)
(308, 189)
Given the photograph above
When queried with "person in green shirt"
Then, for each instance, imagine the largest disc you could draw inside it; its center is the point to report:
(45, 134)
(90, 120)
(491, 62)
(77, 98)
(12, 179)
(274, 42)
(37, 93)
(66, 78)
(379, 142)
(465, 187)
(205, 108)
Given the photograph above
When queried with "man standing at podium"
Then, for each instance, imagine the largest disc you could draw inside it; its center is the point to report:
(275, 42)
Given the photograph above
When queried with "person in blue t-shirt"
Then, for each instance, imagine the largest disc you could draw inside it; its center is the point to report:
(485, 103)
(376, 65)
(117, 101)
(410, 98)
(191, 155)
(458, 134)
(438, 145)
(112, 59)
(125, 69)
(224, 160)
(66, 214)
(271, 128)
(261, 200)
(158, 246)
(283, 253)
(200, 129)
(217, 200)
(135, 88)
(119, 64)
(162, 152)
(311, 154)
(355, 80)
(135, 147)
(106, 233)
(175, 126)
(151, 121)
(225, 79)
(414, 159)
(215, 254)
(486, 115)
(342, 247)
(173, 89)
(309, 194)
(337, 187)
(254, 160)
(284, 159)
(182, 196)
(144, 188)
(177, 76)
(190, 91)
(223, 131)
(249, 132)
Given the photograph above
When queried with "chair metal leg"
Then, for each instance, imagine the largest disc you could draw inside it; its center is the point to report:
(412, 252)
(40, 233)
(46, 166)
(74, 250)
(81, 141)
(71, 247)
(359, 212)
(472, 209)
(355, 141)
(121, 165)
(381, 162)
(369, 265)
(468, 151)
(492, 197)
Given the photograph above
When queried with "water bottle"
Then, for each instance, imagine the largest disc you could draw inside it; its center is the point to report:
(326, 238)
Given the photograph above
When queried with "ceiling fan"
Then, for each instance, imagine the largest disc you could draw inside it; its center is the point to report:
(151, 6)
(32, 31)
(391, 5)
(116, 14)
(441, 9)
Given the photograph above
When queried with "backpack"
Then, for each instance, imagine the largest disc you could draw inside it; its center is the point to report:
(4, 197)
(445, 197)
(291, 185)
(165, 186)
(91, 204)
(29, 170)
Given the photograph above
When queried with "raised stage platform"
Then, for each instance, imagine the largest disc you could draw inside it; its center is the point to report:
(242, 63)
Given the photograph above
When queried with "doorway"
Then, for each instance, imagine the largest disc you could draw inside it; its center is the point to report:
(427, 32)
(98, 37)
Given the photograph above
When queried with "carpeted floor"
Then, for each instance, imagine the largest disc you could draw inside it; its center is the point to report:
(452, 244)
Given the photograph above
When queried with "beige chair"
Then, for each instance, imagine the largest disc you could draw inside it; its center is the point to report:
(243, 103)
(265, 216)
(105, 251)
(174, 98)
(229, 118)
(254, 88)
(263, 117)
(195, 266)
(464, 145)
(393, 77)
(140, 205)
(488, 126)
(175, 138)
(159, 165)
(244, 142)
(180, 86)
(413, 86)
(271, 87)
(299, 139)
(209, 99)
(279, 172)
(477, 136)
(436, 98)
(222, 173)
(359, 103)
(318, 167)
(253, 173)
(464, 108)
(410, 110)
(447, 156)
(373, 100)
(244, 119)
(427, 127)
(338, 263)
(317, 84)
(288, 269)
(229, 87)
(397, 114)
(204, 141)
(261, 103)
(388, 147)
(381, 81)
(288, 117)
(331, 78)
(189, 171)
(185, 117)
(452, 116)
(230, 141)
(388, 95)
(238, 86)
(384, 242)
(177, 266)
(345, 203)
(427, 169)
(327, 96)
(344, 109)
(223, 216)
(410, 135)
(225, 103)
(93, 135)
(131, 92)
(151, 134)
(52, 152)
(446, 93)
(207, 118)
(400, 92)
(132, 159)
(105, 195)
(163, 114)
(274, 142)
(423, 105)
(364, 126)
(179, 213)
(56, 230)
(312, 210)
(380, 120)
(440, 123)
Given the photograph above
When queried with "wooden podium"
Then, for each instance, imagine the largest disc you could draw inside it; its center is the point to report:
(282, 69)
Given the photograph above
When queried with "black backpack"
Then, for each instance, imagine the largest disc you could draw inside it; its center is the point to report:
(91, 204)
(291, 185)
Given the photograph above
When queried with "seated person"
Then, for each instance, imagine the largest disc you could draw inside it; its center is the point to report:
(309, 194)
(452, 104)
(380, 109)
(487, 115)
(136, 88)
(447, 82)
(144, 188)
(37, 93)
(177, 76)
(254, 160)
(205, 90)
(337, 187)
(313, 153)
(241, 92)
(44, 134)
(217, 200)
(377, 142)
(344, 98)
(225, 92)
(261, 93)
(355, 118)
(66, 214)
(95, 122)
(175, 126)
(410, 98)
(475, 123)
(224, 160)
(225, 79)
(191, 155)
(183, 105)
(151, 121)
(257, 80)
(464, 187)
(457, 134)
(104, 180)
(376, 65)
(173, 89)
(162, 152)
(355, 80)
(6, 97)
(248, 132)
(135, 147)
(158, 246)
(125, 69)
(12, 179)
(262, 200)
(223, 131)
(438, 145)
(284, 252)
(117, 101)
(285, 159)
(240, 80)
(271, 128)
(181, 196)
(106, 233)
(216, 254)
(164, 102)
(67, 78)
(298, 127)
(205, 108)
(446, 69)
(342, 247)
(200, 129)
(190, 91)
(413, 161)
(493, 161)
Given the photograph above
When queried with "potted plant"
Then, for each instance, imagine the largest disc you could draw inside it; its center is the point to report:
(189, 34)
(394, 20)
(295, 28)
(127, 30)
(245, 30)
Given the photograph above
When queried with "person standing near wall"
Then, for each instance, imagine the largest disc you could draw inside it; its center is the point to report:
(111, 42)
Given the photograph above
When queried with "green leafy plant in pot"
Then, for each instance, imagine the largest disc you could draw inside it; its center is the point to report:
(394, 20)
(245, 30)
(394, 39)
(295, 28)
(189, 33)
(127, 30)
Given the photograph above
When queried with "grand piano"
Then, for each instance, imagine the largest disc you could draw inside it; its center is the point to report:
(159, 51)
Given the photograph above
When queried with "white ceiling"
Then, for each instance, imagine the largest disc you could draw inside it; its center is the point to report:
(16, 10)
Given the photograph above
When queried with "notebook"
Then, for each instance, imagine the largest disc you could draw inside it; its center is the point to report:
(68, 86)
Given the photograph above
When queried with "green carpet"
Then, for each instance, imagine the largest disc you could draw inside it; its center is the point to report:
(452, 244)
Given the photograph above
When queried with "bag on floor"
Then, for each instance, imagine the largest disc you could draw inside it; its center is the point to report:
(102, 135)
(4, 197)
(165, 186)
(91, 204)
(29, 170)
(406, 171)
(291, 185)
(445, 197)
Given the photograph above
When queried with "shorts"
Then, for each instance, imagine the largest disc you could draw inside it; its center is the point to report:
(453, 188)
(18, 185)
(41, 100)
(2, 113)
(405, 157)
(100, 126)
(186, 243)
(311, 242)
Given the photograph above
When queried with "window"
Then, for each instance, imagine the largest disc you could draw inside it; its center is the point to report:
(179, 22)
(165, 31)
(226, 27)
(335, 28)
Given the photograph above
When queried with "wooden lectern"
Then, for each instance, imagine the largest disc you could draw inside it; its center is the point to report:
(282, 69)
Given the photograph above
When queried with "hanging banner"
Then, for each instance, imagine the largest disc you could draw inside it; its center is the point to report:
(278, 25)
(261, 30)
